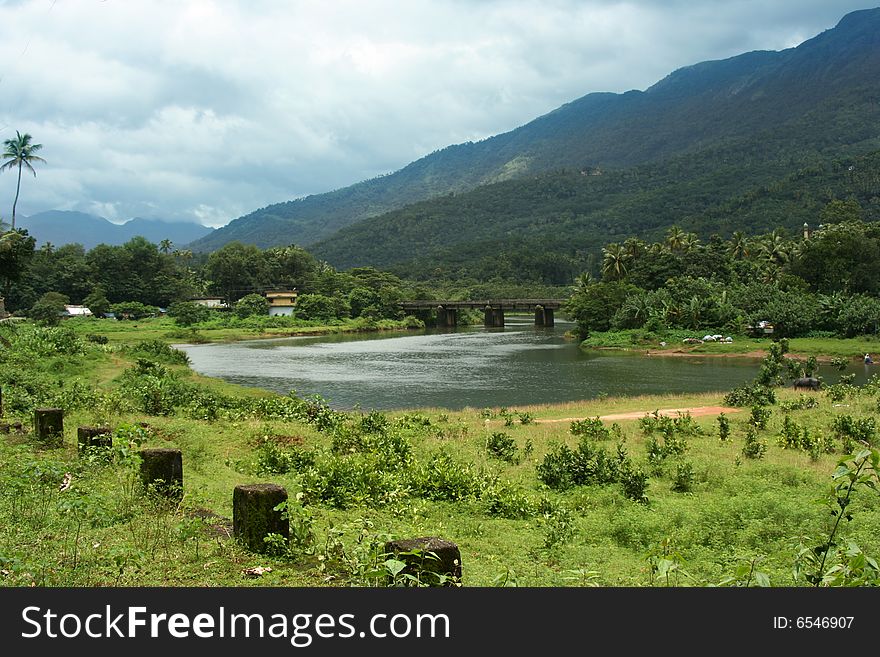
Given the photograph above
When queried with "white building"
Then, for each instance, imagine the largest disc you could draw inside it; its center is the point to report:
(77, 311)
(281, 302)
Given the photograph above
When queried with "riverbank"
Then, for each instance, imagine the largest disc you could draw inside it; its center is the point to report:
(673, 344)
(506, 492)
(228, 330)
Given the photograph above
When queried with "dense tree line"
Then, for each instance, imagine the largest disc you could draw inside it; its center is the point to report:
(824, 282)
(139, 276)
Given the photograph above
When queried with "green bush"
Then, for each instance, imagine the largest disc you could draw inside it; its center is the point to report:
(187, 313)
(563, 468)
(505, 500)
(753, 448)
(443, 478)
(750, 395)
(158, 351)
(502, 446)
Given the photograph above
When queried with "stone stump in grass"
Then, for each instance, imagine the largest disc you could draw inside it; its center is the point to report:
(162, 471)
(49, 426)
(434, 561)
(93, 437)
(11, 427)
(254, 516)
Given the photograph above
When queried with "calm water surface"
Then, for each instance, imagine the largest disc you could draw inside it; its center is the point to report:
(475, 367)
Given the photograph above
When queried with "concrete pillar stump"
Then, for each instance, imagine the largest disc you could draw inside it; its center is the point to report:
(419, 563)
(10, 427)
(49, 426)
(254, 516)
(162, 471)
(93, 437)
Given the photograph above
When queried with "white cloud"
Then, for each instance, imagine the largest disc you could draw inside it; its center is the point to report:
(207, 109)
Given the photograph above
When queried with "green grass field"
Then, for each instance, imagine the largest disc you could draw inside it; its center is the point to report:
(478, 477)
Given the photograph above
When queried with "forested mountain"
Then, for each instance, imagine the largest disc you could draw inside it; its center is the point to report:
(60, 227)
(777, 112)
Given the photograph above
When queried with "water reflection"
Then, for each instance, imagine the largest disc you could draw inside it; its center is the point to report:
(474, 367)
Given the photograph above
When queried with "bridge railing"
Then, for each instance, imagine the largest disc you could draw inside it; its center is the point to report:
(501, 304)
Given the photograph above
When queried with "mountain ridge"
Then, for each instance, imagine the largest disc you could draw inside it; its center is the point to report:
(61, 227)
(693, 108)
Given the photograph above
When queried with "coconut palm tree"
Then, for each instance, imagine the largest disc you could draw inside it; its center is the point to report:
(689, 242)
(774, 249)
(614, 259)
(674, 238)
(165, 246)
(738, 246)
(582, 282)
(20, 153)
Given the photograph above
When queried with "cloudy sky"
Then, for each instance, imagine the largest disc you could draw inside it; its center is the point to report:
(204, 110)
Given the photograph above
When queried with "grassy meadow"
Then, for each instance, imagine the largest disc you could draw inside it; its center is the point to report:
(533, 496)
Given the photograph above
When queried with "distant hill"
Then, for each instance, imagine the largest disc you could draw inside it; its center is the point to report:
(812, 103)
(67, 227)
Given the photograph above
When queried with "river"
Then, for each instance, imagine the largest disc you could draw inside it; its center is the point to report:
(476, 367)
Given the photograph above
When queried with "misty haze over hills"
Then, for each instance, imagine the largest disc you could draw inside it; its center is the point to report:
(66, 227)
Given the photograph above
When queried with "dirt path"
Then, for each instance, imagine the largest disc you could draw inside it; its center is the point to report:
(695, 411)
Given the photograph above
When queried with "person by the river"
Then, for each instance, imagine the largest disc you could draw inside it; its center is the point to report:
(868, 360)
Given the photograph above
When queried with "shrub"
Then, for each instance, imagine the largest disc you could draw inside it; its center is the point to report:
(443, 478)
(158, 351)
(684, 477)
(502, 446)
(507, 501)
(591, 427)
(49, 308)
(351, 480)
(564, 468)
(251, 305)
(800, 404)
(635, 484)
(751, 395)
(133, 310)
(849, 430)
(753, 448)
(759, 417)
(187, 313)
(274, 459)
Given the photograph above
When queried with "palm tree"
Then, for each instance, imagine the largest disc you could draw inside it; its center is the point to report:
(582, 282)
(165, 246)
(774, 249)
(20, 153)
(614, 261)
(634, 247)
(738, 246)
(689, 242)
(674, 238)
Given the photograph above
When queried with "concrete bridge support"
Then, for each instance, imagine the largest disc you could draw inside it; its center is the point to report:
(493, 317)
(543, 316)
(447, 317)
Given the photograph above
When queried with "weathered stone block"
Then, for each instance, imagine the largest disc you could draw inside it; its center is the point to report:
(49, 426)
(428, 558)
(162, 471)
(254, 516)
(93, 437)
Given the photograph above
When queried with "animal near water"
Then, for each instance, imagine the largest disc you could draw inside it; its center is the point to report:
(809, 382)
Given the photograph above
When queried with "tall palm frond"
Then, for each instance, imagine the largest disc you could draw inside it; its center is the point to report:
(20, 153)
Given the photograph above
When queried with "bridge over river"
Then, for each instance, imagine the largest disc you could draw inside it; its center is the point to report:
(493, 309)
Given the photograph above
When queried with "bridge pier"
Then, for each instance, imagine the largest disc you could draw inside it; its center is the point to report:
(447, 317)
(493, 317)
(543, 316)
